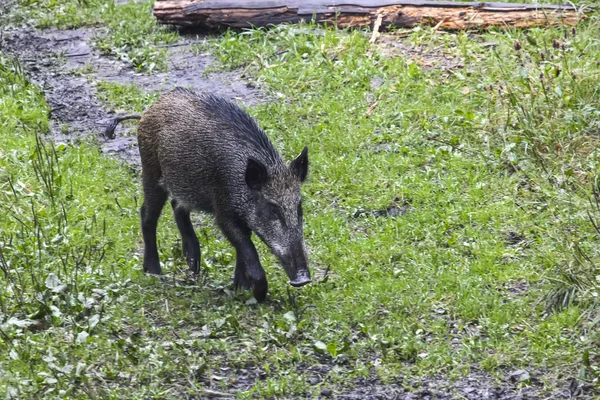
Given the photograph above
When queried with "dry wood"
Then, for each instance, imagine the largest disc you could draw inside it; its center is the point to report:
(403, 13)
(376, 27)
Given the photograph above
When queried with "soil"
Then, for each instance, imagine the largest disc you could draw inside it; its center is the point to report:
(516, 385)
(477, 386)
(391, 45)
(51, 59)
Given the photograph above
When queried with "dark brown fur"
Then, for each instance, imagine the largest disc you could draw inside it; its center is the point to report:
(210, 155)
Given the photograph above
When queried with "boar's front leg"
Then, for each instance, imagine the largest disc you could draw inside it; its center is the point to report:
(248, 271)
(189, 240)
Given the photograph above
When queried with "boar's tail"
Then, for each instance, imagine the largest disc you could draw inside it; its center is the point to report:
(110, 129)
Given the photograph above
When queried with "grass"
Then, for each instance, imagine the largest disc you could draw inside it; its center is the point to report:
(58, 258)
(491, 264)
(127, 98)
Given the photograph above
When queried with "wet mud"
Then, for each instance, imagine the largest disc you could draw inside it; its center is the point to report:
(54, 58)
(478, 385)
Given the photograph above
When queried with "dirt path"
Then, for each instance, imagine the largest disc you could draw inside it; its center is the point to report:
(51, 58)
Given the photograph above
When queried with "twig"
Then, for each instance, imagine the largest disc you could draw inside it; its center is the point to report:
(78, 54)
(374, 105)
(376, 27)
(593, 222)
(214, 393)
(183, 43)
(326, 273)
(13, 189)
(436, 27)
(65, 39)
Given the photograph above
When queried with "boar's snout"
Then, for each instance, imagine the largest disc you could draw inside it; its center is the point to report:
(302, 278)
(298, 271)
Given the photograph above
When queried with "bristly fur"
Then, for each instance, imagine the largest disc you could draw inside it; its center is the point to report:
(209, 155)
(233, 118)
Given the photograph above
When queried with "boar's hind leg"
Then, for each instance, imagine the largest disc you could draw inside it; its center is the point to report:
(189, 240)
(155, 198)
(248, 271)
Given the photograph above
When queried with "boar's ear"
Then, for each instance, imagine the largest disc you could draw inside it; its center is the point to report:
(256, 174)
(300, 165)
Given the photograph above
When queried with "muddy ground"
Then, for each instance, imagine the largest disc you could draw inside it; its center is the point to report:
(51, 59)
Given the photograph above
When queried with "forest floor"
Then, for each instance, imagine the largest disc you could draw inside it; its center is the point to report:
(451, 213)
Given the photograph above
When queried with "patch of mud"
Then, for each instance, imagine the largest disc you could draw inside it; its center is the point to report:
(54, 59)
(515, 385)
(477, 386)
(391, 45)
(517, 288)
(395, 209)
(516, 239)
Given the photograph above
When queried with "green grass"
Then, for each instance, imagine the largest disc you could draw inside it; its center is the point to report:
(56, 228)
(134, 37)
(127, 98)
(492, 267)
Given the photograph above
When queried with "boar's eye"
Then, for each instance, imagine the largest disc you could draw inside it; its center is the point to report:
(276, 213)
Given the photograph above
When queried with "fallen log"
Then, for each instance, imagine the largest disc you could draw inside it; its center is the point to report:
(361, 13)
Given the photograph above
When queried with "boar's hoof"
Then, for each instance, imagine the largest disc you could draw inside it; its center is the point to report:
(192, 257)
(192, 276)
(259, 289)
(153, 269)
(240, 281)
(194, 265)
